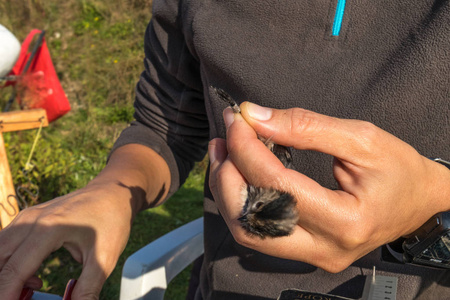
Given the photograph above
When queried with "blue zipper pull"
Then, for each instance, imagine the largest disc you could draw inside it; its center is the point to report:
(340, 8)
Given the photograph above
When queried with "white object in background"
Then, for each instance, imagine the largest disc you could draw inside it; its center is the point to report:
(147, 272)
(379, 287)
(9, 51)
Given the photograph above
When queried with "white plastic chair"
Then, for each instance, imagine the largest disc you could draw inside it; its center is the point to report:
(148, 271)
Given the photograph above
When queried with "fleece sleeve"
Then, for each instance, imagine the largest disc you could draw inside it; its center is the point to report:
(169, 106)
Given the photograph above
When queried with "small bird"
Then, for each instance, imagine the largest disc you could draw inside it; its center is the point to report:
(266, 212)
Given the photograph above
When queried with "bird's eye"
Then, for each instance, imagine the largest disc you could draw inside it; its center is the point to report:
(258, 205)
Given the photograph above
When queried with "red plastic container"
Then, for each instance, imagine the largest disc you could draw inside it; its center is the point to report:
(39, 87)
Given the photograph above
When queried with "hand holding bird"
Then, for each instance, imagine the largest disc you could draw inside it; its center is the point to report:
(266, 211)
(379, 175)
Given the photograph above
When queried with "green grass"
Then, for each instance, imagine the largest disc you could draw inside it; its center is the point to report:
(97, 49)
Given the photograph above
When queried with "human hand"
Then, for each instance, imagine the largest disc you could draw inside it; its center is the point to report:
(387, 189)
(92, 224)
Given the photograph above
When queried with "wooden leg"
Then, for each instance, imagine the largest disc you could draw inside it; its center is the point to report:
(8, 203)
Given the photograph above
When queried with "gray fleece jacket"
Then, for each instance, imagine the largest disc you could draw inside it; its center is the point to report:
(387, 62)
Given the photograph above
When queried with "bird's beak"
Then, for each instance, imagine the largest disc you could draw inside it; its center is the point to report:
(243, 218)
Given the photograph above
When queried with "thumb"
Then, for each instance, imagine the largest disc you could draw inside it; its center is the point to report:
(307, 130)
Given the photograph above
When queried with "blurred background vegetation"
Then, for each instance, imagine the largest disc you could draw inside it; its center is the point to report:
(97, 49)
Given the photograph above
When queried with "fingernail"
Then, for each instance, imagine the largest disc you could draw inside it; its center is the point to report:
(258, 112)
(228, 117)
(212, 153)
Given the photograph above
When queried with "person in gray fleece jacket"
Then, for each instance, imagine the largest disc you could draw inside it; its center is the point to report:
(359, 90)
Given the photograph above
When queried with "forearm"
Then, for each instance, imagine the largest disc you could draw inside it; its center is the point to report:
(138, 174)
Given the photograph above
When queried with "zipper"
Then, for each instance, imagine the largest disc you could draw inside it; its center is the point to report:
(339, 15)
